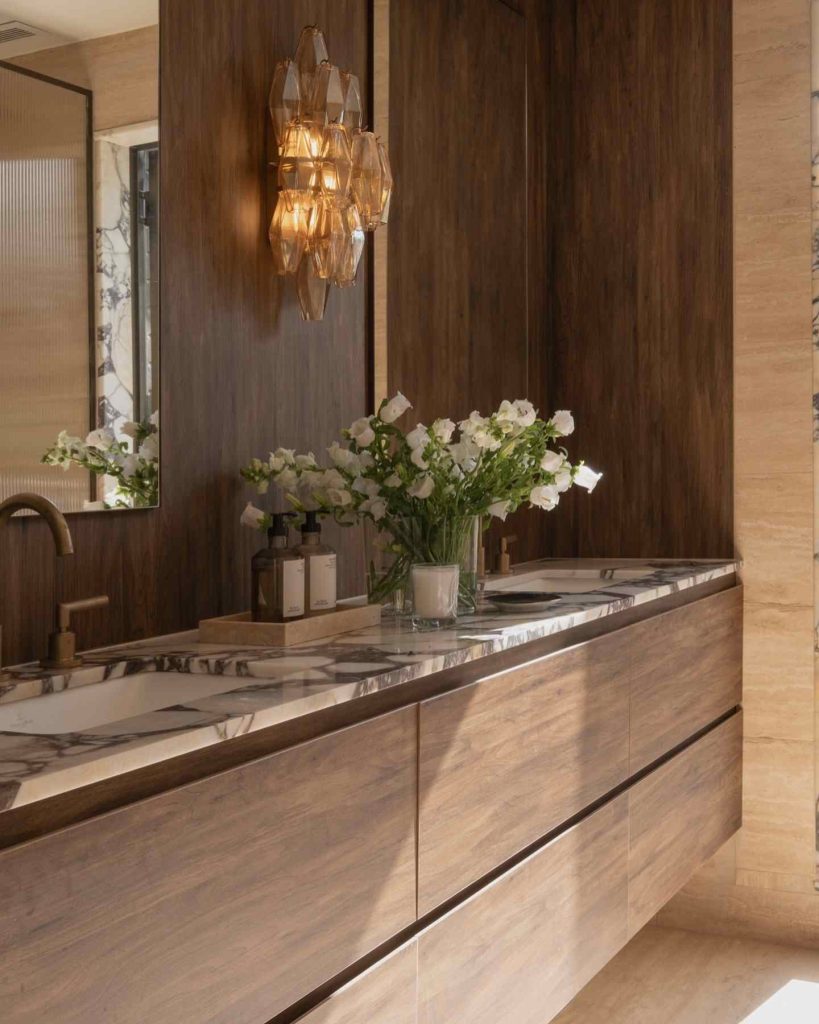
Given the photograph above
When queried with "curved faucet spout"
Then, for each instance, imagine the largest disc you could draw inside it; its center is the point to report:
(48, 510)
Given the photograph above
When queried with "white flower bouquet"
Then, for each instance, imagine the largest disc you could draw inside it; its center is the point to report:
(425, 488)
(135, 471)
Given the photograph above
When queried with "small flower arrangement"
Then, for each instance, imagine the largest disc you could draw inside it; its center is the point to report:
(431, 476)
(134, 470)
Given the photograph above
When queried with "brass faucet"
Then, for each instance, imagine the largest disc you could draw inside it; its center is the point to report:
(56, 523)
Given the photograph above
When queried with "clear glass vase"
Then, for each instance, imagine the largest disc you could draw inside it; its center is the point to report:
(398, 544)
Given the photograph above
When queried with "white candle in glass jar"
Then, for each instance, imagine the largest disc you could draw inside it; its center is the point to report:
(435, 592)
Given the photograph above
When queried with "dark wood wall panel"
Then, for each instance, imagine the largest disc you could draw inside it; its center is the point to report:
(457, 244)
(240, 371)
(638, 280)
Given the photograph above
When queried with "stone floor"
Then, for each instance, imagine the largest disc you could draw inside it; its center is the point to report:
(676, 977)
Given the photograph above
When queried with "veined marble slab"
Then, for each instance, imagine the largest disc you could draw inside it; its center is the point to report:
(284, 684)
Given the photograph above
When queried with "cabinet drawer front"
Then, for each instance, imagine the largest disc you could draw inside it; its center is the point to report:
(222, 901)
(386, 994)
(507, 759)
(680, 815)
(520, 949)
(687, 672)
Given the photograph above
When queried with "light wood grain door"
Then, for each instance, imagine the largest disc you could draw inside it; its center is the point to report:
(504, 761)
(680, 815)
(519, 950)
(687, 673)
(221, 902)
(385, 994)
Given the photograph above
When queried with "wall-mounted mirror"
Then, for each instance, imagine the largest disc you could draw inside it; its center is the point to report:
(79, 252)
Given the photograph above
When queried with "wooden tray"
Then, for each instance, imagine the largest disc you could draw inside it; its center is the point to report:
(239, 629)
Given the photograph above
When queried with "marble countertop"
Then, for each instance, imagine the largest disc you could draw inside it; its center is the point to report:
(265, 687)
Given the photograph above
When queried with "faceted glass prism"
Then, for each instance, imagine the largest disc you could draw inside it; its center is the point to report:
(386, 182)
(312, 292)
(298, 165)
(288, 236)
(351, 117)
(367, 179)
(285, 97)
(336, 166)
(329, 239)
(327, 104)
(310, 52)
(350, 257)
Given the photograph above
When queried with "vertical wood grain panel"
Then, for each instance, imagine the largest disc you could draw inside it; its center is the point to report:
(638, 281)
(222, 902)
(519, 950)
(240, 371)
(457, 247)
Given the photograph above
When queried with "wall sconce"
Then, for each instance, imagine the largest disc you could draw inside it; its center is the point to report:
(334, 178)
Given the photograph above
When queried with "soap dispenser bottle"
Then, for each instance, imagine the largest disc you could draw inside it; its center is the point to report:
(278, 577)
(320, 571)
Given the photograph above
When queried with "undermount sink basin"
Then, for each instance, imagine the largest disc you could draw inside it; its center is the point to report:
(98, 704)
(567, 581)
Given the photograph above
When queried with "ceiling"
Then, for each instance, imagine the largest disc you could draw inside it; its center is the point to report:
(81, 19)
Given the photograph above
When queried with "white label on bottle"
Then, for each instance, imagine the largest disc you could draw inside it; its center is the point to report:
(322, 583)
(292, 588)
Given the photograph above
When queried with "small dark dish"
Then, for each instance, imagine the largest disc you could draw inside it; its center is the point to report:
(523, 600)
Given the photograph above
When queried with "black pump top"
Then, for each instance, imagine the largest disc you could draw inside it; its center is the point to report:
(311, 523)
(279, 527)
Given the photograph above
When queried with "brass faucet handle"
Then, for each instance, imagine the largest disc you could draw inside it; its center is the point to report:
(62, 643)
(67, 608)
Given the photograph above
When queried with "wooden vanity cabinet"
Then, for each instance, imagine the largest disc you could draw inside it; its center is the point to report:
(506, 760)
(221, 902)
(385, 994)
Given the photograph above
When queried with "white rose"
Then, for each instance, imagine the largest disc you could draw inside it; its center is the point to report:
(421, 487)
(332, 478)
(499, 509)
(552, 461)
(417, 458)
(393, 480)
(563, 422)
(253, 517)
(276, 463)
(102, 439)
(545, 497)
(369, 487)
(362, 432)
(312, 479)
(527, 414)
(443, 430)
(563, 479)
(287, 455)
(343, 457)
(377, 508)
(586, 477)
(396, 407)
(307, 461)
(129, 428)
(149, 449)
(418, 438)
(365, 460)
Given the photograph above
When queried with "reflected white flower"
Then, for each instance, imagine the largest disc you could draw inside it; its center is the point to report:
(153, 419)
(288, 479)
(396, 407)
(129, 465)
(129, 428)
(332, 478)
(343, 457)
(371, 488)
(307, 461)
(149, 449)
(102, 439)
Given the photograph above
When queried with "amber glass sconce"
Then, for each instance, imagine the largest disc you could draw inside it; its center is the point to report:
(334, 178)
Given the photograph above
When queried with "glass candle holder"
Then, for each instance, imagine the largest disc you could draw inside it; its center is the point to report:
(434, 595)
